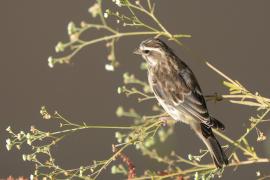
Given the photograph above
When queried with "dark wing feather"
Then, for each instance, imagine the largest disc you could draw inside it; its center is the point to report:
(193, 101)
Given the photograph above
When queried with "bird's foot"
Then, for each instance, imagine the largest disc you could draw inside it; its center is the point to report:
(165, 120)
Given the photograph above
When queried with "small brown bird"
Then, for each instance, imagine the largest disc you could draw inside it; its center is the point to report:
(178, 92)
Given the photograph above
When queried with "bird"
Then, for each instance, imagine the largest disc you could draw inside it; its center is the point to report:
(178, 92)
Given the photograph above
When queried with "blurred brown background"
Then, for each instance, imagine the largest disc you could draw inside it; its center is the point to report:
(232, 35)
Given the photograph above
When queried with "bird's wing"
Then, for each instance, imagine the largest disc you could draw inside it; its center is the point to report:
(192, 100)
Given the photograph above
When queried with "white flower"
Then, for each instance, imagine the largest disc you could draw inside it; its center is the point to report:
(28, 157)
(190, 157)
(120, 111)
(119, 90)
(109, 67)
(24, 157)
(8, 146)
(47, 116)
(29, 142)
(60, 47)
(106, 15)
(50, 62)
(110, 57)
(8, 129)
(71, 28)
(94, 10)
(32, 177)
(28, 136)
(196, 176)
(19, 136)
(118, 3)
(8, 141)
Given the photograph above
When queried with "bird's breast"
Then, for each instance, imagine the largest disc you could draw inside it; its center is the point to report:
(165, 101)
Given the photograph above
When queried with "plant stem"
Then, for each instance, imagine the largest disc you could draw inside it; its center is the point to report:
(106, 38)
(151, 15)
(92, 127)
(200, 169)
(226, 138)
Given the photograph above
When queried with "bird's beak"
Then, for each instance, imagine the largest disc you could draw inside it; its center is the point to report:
(137, 51)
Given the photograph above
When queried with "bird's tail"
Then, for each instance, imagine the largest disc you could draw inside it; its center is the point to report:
(215, 150)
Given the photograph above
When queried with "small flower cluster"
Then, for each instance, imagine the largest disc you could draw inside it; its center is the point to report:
(106, 14)
(131, 113)
(111, 57)
(126, 21)
(51, 62)
(17, 139)
(94, 10)
(260, 135)
(120, 3)
(28, 157)
(8, 144)
(74, 34)
(130, 79)
(119, 169)
(44, 113)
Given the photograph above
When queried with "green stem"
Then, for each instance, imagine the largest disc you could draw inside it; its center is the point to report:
(201, 169)
(240, 96)
(226, 138)
(254, 125)
(101, 13)
(106, 38)
(98, 26)
(149, 5)
(92, 127)
(97, 173)
(138, 20)
(151, 15)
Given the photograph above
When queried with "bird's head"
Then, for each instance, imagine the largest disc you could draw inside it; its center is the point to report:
(153, 51)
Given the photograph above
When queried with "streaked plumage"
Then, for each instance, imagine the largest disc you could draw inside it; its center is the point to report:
(179, 93)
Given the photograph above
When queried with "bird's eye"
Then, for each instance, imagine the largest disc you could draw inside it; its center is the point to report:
(146, 51)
